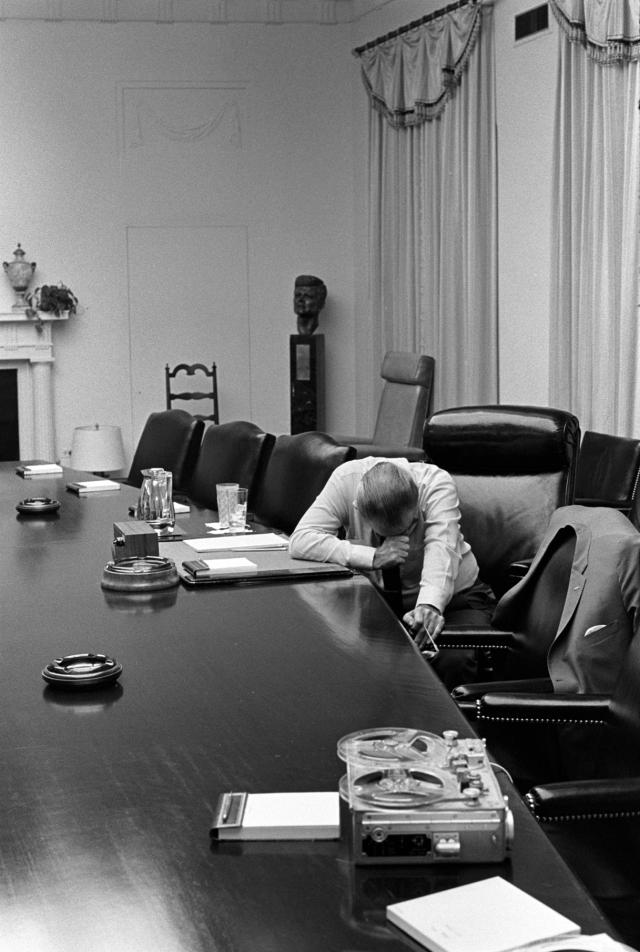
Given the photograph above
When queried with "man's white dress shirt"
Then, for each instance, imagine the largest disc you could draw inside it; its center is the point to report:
(440, 562)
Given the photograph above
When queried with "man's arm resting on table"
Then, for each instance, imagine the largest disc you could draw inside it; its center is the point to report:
(316, 535)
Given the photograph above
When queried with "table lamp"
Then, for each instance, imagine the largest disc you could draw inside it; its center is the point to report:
(97, 449)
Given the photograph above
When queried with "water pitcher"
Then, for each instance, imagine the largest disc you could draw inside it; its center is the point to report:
(155, 504)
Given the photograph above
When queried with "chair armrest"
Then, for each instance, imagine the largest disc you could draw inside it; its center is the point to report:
(472, 636)
(544, 708)
(473, 692)
(585, 800)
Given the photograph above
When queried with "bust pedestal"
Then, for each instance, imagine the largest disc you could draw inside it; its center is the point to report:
(306, 363)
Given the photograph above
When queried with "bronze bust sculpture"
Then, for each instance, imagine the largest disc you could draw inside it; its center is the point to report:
(309, 295)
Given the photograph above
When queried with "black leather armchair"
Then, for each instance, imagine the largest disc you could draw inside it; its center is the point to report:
(571, 619)
(230, 452)
(522, 652)
(298, 468)
(513, 466)
(169, 439)
(579, 758)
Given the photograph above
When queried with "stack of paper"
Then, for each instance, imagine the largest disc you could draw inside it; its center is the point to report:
(492, 915)
(248, 543)
(92, 486)
(39, 469)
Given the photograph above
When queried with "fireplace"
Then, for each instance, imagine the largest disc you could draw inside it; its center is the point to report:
(27, 353)
(9, 427)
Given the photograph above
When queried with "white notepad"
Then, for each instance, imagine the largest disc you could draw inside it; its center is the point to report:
(257, 541)
(82, 486)
(285, 816)
(492, 915)
(239, 566)
(40, 469)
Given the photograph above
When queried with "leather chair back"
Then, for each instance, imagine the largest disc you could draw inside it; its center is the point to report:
(235, 452)
(405, 402)
(170, 439)
(513, 466)
(608, 472)
(298, 468)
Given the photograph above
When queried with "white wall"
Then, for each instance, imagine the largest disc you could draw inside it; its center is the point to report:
(97, 187)
(195, 241)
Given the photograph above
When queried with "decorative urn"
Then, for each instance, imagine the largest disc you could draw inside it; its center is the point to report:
(19, 273)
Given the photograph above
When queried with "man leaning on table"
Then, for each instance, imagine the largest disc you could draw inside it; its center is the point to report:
(380, 515)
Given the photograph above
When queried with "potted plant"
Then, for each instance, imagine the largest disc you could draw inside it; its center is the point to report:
(50, 299)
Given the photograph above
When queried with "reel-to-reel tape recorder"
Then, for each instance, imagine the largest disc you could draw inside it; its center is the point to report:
(416, 797)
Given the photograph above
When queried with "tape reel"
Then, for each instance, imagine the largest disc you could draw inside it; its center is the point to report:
(393, 746)
(394, 768)
(398, 789)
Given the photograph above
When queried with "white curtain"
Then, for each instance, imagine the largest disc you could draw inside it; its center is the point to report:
(594, 354)
(432, 199)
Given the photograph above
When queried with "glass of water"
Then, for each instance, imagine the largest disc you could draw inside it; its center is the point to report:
(238, 508)
(225, 496)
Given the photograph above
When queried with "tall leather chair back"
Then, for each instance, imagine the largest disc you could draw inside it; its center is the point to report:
(298, 468)
(170, 439)
(405, 402)
(608, 472)
(513, 466)
(235, 452)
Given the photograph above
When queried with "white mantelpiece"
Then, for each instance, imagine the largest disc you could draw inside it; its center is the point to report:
(29, 350)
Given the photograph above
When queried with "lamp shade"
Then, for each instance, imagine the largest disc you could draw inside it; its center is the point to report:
(97, 449)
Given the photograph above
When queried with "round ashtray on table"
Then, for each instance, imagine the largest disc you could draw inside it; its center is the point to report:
(140, 573)
(82, 671)
(36, 505)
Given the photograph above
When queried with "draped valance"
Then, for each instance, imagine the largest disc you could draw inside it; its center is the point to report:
(411, 75)
(608, 29)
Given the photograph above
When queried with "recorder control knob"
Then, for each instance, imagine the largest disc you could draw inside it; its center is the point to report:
(447, 846)
(378, 834)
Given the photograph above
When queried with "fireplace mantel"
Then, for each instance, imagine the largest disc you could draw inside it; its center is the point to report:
(26, 345)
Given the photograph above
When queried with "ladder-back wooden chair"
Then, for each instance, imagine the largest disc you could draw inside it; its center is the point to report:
(191, 370)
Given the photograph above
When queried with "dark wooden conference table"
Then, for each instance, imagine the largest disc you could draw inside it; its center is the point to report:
(106, 797)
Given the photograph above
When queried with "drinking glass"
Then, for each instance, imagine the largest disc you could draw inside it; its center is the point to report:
(238, 508)
(225, 492)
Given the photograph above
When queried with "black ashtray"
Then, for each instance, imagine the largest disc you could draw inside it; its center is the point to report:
(37, 505)
(82, 671)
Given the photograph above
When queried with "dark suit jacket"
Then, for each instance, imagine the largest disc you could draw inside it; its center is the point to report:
(601, 612)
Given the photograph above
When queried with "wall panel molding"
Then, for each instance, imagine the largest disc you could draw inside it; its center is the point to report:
(150, 113)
